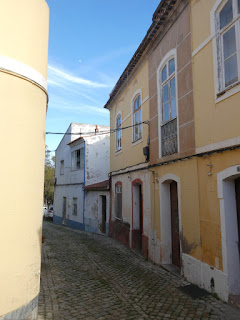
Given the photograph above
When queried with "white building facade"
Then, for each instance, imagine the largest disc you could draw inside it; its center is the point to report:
(82, 159)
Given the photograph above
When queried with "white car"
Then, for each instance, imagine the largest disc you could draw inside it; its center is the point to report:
(49, 213)
(45, 209)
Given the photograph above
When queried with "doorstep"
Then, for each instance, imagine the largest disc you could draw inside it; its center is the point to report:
(172, 269)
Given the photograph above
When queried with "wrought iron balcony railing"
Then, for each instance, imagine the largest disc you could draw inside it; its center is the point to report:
(169, 138)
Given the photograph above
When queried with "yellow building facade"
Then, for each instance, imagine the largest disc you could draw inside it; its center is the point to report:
(190, 201)
(23, 73)
(129, 114)
(216, 75)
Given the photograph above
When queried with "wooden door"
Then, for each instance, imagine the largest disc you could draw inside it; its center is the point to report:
(175, 225)
(237, 189)
(140, 216)
(103, 214)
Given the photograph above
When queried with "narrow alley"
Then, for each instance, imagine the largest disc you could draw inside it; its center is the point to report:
(87, 276)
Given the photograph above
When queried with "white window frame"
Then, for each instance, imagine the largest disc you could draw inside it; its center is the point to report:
(170, 55)
(118, 144)
(74, 161)
(221, 91)
(137, 94)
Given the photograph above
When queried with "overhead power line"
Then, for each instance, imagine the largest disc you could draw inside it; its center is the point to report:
(98, 132)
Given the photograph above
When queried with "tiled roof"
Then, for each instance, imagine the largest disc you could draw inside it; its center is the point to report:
(103, 185)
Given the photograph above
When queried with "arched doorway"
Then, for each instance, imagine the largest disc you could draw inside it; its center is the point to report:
(170, 220)
(229, 196)
(137, 216)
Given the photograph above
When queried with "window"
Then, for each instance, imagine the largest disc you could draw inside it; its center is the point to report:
(137, 118)
(168, 108)
(75, 206)
(119, 133)
(228, 44)
(119, 201)
(62, 167)
(78, 159)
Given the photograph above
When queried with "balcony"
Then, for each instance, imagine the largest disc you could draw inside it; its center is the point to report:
(169, 138)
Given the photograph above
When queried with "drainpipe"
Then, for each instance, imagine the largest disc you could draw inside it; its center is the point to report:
(84, 185)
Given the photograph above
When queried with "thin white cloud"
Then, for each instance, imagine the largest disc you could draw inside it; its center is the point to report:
(80, 109)
(62, 75)
(54, 83)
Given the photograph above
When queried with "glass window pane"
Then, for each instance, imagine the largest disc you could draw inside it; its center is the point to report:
(172, 88)
(171, 66)
(173, 108)
(135, 104)
(140, 116)
(140, 131)
(118, 121)
(231, 70)
(164, 74)
(139, 101)
(136, 133)
(166, 115)
(229, 43)
(226, 15)
(165, 93)
(136, 117)
(238, 6)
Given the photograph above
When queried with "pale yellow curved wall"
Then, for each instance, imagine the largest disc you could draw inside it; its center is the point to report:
(22, 140)
(24, 32)
(131, 153)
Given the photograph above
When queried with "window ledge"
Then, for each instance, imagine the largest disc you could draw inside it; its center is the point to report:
(228, 92)
(135, 142)
(117, 152)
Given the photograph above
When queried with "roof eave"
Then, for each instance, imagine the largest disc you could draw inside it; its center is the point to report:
(158, 19)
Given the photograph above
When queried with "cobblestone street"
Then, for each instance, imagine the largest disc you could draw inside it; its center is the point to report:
(87, 276)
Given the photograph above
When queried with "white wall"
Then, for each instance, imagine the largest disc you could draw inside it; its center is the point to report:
(97, 158)
(97, 166)
(70, 192)
(93, 210)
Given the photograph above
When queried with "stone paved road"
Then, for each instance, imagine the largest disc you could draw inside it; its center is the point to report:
(87, 276)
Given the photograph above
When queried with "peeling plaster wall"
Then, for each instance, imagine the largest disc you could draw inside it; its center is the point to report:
(189, 218)
(70, 192)
(127, 207)
(97, 158)
(93, 210)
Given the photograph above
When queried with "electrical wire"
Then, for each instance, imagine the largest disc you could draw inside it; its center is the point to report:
(93, 133)
(160, 164)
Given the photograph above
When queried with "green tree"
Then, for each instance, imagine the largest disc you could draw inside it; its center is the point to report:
(49, 177)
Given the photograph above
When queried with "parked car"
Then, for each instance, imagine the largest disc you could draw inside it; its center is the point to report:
(49, 213)
(45, 209)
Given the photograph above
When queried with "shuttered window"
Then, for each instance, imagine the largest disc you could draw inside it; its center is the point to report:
(78, 159)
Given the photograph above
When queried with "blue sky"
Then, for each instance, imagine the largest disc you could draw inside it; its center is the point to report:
(90, 44)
